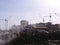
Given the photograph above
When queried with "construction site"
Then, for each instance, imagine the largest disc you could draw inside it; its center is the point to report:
(42, 33)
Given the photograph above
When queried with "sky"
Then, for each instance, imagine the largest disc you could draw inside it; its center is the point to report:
(31, 10)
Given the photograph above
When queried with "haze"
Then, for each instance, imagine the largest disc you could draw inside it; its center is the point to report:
(30, 10)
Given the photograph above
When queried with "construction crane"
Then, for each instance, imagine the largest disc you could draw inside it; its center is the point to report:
(57, 14)
(6, 23)
(47, 16)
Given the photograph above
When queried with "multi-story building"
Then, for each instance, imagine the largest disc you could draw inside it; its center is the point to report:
(49, 25)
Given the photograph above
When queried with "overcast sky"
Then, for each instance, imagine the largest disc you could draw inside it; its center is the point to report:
(30, 10)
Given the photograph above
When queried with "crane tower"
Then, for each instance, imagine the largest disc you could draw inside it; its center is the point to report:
(6, 23)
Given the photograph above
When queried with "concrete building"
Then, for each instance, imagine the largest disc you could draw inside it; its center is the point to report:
(24, 23)
(40, 25)
(58, 26)
(48, 25)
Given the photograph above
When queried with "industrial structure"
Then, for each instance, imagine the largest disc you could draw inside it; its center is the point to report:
(6, 23)
(39, 33)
